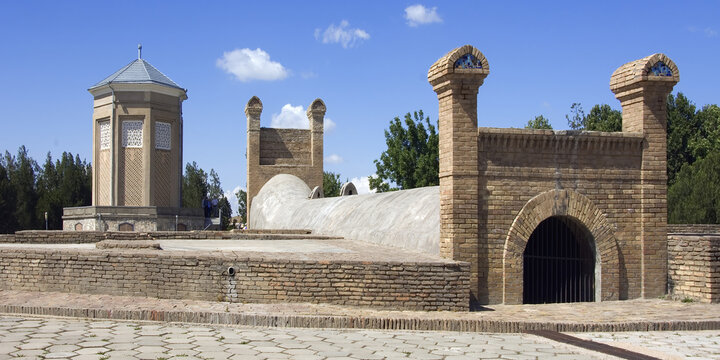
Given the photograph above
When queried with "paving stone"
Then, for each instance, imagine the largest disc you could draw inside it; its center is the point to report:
(59, 355)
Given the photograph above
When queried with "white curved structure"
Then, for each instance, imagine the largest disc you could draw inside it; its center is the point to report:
(408, 219)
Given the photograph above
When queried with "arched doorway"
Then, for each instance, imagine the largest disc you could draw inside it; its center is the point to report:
(559, 263)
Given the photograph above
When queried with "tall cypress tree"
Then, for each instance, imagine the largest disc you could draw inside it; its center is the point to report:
(22, 172)
(8, 224)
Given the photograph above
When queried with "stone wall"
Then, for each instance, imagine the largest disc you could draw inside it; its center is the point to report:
(154, 273)
(694, 266)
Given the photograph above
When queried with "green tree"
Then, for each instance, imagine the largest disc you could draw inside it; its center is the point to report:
(21, 172)
(539, 122)
(331, 184)
(603, 118)
(242, 204)
(8, 224)
(694, 197)
(65, 183)
(708, 138)
(682, 130)
(194, 186)
(411, 158)
(225, 212)
(48, 186)
(576, 118)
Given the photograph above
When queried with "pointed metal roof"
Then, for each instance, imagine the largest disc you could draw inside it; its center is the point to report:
(138, 71)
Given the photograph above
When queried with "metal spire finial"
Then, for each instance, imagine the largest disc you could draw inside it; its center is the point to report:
(139, 51)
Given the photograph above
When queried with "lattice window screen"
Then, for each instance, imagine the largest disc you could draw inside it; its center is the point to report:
(163, 135)
(104, 135)
(132, 134)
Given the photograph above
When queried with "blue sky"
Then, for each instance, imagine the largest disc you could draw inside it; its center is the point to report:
(367, 60)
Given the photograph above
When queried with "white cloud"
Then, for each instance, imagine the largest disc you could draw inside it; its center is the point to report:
(420, 15)
(362, 184)
(295, 117)
(290, 117)
(308, 75)
(342, 34)
(708, 31)
(247, 65)
(333, 159)
(232, 199)
(328, 125)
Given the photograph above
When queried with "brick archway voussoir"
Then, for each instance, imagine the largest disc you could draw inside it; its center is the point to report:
(560, 203)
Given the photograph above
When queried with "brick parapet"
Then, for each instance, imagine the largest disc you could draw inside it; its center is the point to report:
(550, 141)
(173, 275)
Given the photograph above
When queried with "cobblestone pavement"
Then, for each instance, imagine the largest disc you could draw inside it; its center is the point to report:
(663, 344)
(62, 338)
(584, 313)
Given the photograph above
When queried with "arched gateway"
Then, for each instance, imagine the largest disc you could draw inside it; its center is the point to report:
(569, 248)
(559, 263)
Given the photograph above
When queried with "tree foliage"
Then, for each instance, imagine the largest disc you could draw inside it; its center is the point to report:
(683, 129)
(411, 158)
(27, 191)
(7, 202)
(194, 186)
(539, 122)
(601, 118)
(694, 198)
(331, 184)
(66, 182)
(242, 204)
(197, 184)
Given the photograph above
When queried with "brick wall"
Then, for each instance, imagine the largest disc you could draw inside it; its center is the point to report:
(285, 147)
(154, 273)
(694, 228)
(497, 185)
(602, 169)
(694, 266)
(84, 237)
(271, 152)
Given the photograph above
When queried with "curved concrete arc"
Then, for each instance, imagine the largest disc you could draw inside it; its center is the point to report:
(409, 219)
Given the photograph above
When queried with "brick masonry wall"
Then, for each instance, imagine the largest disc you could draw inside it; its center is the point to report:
(517, 165)
(693, 228)
(284, 147)
(154, 273)
(84, 237)
(283, 151)
(694, 266)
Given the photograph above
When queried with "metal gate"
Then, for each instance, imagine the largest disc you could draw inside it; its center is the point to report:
(559, 263)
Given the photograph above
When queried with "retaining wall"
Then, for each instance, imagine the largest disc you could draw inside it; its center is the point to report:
(85, 237)
(694, 266)
(155, 273)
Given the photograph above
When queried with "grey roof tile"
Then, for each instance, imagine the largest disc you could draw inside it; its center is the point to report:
(138, 71)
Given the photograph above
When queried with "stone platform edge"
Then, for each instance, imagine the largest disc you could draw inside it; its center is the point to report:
(357, 322)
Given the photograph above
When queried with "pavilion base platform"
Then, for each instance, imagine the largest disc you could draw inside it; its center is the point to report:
(132, 218)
